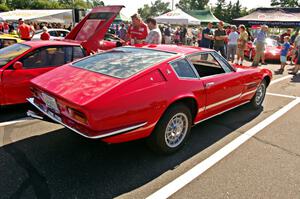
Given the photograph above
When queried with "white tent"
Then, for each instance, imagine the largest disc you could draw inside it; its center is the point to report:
(177, 16)
(53, 16)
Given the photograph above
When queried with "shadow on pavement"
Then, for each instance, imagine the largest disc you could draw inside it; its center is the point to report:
(13, 112)
(296, 78)
(62, 164)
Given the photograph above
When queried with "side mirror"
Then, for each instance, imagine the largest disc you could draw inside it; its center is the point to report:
(18, 65)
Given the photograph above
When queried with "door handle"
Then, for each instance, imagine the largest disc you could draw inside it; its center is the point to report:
(210, 84)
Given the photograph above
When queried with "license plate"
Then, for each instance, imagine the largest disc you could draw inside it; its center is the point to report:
(50, 102)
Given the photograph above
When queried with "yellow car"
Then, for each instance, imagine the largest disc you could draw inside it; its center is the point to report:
(7, 40)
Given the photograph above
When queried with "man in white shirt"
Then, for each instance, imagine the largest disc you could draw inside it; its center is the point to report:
(154, 36)
(232, 44)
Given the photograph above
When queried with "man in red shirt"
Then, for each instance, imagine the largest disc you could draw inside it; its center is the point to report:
(6, 27)
(25, 31)
(45, 35)
(138, 31)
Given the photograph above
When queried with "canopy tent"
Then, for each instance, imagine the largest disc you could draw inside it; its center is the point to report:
(53, 16)
(204, 16)
(178, 17)
(280, 17)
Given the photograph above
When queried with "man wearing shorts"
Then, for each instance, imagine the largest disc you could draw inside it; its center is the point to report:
(297, 64)
(283, 54)
(260, 45)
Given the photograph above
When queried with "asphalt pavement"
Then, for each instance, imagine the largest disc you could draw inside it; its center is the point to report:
(43, 160)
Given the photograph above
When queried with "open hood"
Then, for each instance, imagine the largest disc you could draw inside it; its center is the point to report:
(93, 27)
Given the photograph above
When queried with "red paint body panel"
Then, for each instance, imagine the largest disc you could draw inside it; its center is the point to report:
(89, 33)
(93, 27)
(272, 53)
(14, 84)
(111, 104)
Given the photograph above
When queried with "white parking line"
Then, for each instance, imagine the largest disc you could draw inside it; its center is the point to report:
(280, 79)
(2, 124)
(281, 95)
(190, 175)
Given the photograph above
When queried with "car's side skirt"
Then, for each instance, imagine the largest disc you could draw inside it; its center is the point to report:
(221, 112)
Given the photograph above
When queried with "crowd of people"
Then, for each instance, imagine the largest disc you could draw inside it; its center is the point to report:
(230, 42)
(27, 30)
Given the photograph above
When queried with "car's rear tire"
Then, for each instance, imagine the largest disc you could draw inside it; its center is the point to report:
(258, 98)
(172, 130)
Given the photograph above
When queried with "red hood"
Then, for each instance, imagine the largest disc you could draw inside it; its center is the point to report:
(76, 85)
(93, 27)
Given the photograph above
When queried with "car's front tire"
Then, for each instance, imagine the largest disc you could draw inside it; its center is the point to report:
(258, 98)
(172, 130)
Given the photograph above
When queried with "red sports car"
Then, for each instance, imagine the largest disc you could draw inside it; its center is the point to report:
(20, 63)
(158, 92)
(272, 51)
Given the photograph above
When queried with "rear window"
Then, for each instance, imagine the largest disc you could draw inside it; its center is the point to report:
(123, 62)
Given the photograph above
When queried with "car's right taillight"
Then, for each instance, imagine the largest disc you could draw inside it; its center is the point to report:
(77, 115)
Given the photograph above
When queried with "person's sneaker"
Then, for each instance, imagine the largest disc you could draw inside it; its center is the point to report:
(292, 73)
(279, 71)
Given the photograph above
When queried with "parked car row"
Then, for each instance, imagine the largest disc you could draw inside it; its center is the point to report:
(126, 93)
(21, 62)
(272, 50)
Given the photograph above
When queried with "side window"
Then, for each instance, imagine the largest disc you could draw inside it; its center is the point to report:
(77, 53)
(183, 69)
(53, 33)
(8, 42)
(45, 57)
(224, 64)
(206, 64)
(62, 33)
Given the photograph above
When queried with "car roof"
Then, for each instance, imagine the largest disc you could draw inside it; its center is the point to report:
(41, 43)
(185, 50)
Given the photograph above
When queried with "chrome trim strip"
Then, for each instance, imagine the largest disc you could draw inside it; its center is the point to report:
(250, 83)
(31, 100)
(223, 101)
(248, 93)
(221, 112)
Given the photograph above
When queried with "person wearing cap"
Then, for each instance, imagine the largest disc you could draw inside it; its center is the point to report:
(25, 31)
(260, 46)
(45, 35)
(154, 36)
(138, 30)
(207, 36)
(220, 37)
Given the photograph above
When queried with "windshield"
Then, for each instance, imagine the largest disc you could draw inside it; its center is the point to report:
(9, 53)
(271, 42)
(123, 62)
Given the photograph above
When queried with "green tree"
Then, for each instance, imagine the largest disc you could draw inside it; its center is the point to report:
(155, 9)
(236, 10)
(96, 3)
(193, 4)
(228, 10)
(220, 9)
(3, 8)
(285, 3)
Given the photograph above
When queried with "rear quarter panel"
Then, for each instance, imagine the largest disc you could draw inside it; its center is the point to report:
(142, 99)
